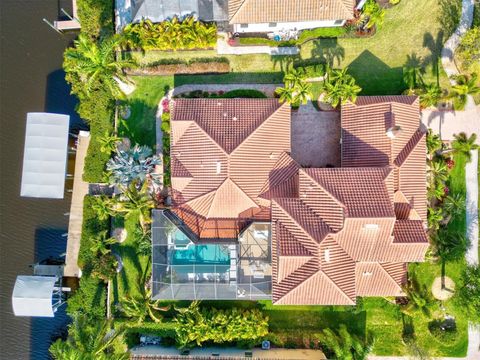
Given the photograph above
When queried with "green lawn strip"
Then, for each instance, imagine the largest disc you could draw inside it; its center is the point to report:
(231, 78)
(130, 280)
(143, 102)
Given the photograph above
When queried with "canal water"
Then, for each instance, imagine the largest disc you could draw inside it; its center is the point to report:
(31, 230)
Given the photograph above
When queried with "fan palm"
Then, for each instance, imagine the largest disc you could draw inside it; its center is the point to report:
(96, 63)
(90, 340)
(464, 144)
(465, 86)
(431, 95)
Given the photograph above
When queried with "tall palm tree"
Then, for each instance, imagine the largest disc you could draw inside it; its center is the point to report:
(90, 340)
(450, 246)
(464, 144)
(430, 95)
(341, 344)
(96, 63)
(412, 71)
(466, 85)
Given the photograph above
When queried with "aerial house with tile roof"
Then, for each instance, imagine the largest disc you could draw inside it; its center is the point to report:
(248, 222)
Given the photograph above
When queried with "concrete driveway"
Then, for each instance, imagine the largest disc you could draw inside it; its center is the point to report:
(315, 137)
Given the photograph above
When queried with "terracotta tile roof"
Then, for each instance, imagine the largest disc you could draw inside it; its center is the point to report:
(282, 180)
(362, 191)
(380, 279)
(264, 11)
(228, 159)
(365, 143)
(409, 231)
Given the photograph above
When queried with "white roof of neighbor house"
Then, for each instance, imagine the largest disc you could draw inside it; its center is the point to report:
(32, 296)
(45, 155)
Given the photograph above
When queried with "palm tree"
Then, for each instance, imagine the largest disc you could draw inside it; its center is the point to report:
(303, 93)
(135, 201)
(285, 94)
(142, 307)
(453, 206)
(95, 63)
(103, 207)
(419, 298)
(464, 144)
(294, 77)
(431, 95)
(466, 85)
(434, 143)
(108, 142)
(412, 71)
(90, 340)
(450, 246)
(437, 171)
(343, 345)
(100, 243)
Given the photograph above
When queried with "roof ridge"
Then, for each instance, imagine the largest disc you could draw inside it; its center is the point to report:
(303, 273)
(389, 276)
(334, 198)
(238, 9)
(338, 287)
(409, 147)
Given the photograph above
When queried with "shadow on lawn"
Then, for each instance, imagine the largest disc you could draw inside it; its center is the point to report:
(327, 51)
(434, 45)
(375, 77)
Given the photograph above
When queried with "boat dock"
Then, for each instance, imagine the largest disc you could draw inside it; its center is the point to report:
(80, 189)
(73, 23)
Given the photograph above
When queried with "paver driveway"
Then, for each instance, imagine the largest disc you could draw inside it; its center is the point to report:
(315, 137)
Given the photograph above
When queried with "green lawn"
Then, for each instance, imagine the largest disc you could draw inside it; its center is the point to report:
(414, 27)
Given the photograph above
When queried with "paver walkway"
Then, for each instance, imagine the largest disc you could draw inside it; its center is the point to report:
(224, 49)
(80, 189)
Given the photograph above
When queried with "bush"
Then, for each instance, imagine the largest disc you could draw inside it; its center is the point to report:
(91, 227)
(89, 298)
(243, 93)
(177, 66)
(249, 41)
(445, 331)
(96, 17)
(326, 32)
(469, 49)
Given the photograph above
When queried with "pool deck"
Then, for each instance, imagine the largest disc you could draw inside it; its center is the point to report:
(80, 189)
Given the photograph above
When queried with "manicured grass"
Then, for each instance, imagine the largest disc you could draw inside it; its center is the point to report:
(143, 102)
(414, 27)
(135, 267)
(231, 78)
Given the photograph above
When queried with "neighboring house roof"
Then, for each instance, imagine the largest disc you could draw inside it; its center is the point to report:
(365, 142)
(265, 11)
(160, 10)
(222, 153)
(349, 231)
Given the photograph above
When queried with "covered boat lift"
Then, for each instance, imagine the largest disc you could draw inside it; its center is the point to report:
(38, 296)
(45, 155)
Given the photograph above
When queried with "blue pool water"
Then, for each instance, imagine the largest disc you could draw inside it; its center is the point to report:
(201, 254)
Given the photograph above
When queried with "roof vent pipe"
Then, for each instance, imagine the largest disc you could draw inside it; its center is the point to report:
(327, 255)
(394, 131)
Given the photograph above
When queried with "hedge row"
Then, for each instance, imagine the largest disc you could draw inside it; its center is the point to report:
(217, 65)
(238, 93)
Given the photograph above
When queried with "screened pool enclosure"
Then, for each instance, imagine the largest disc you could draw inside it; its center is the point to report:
(184, 270)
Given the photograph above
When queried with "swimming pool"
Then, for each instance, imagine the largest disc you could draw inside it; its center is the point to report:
(201, 254)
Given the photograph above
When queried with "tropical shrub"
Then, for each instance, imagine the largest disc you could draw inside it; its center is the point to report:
(464, 144)
(90, 340)
(96, 17)
(243, 93)
(340, 344)
(468, 295)
(137, 163)
(171, 34)
(90, 298)
(372, 14)
(196, 326)
(465, 85)
(297, 90)
(469, 48)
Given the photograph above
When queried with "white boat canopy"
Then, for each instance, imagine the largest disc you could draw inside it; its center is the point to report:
(34, 296)
(45, 155)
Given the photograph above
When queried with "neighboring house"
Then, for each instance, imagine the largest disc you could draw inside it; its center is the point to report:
(248, 222)
(251, 16)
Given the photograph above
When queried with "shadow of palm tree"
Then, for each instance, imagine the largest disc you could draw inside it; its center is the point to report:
(285, 62)
(434, 45)
(328, 50)
(413, 69)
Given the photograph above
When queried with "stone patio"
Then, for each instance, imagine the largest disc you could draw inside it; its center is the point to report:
(316, 137)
